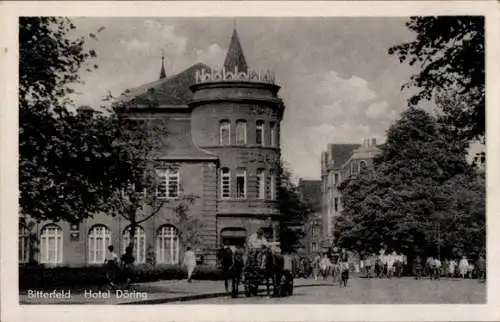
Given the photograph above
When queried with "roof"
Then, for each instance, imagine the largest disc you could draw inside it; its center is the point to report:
(180, 146)
(340, 153)
(169, 91)
(234, 56)
(310, 191)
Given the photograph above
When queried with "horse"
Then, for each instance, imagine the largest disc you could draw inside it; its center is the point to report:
(232, 268)
(271, 269)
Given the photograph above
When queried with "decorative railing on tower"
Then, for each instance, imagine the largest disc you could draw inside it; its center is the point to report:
(220, 74)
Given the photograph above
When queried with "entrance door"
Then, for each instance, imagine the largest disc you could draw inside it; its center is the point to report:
(233, 236)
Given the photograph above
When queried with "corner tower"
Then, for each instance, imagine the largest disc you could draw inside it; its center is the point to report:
(237, 115)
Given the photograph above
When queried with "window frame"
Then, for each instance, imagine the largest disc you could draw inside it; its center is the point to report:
(225, 125)
(106, 241)
(261, 184)
(139, 253)
(272, 185)
(225, 176)
(273, 134)
(166, 175)
(23, 244)
(241, 173)
(244, 125)
(58, 236)
(259, 126)
(172, 235)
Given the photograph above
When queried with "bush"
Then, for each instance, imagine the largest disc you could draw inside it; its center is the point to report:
(40, 277)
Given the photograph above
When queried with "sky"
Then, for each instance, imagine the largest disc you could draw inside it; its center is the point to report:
(338, 82)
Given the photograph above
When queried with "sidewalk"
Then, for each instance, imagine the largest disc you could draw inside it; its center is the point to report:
(166, 291)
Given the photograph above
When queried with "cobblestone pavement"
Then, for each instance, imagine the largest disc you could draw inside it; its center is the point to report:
(374, 291)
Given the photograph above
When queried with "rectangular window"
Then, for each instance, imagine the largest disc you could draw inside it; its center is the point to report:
(336, 205)
(272, 186)
(354, 169)
(314, 246)
(259, 133)
(241, 192)
(225, 183)
(274, 141)
(337, 178)
(225, 133)
(261, 184)
(173, 184)
(241, 132)
(168, 183)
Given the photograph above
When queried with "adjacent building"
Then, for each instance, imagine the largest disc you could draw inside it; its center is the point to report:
(223, 146)
(339, 162)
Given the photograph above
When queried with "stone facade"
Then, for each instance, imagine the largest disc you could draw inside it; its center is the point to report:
(234, 181)
(339, 162)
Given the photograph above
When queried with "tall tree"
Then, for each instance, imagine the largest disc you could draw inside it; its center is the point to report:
(401, 204)
(61, 154)
(450, 53)
(146, 185)
(293, 211)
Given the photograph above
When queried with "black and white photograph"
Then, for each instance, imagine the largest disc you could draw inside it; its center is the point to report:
(178, 161)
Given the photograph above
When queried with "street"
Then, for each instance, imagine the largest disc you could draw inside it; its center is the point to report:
(373, 291)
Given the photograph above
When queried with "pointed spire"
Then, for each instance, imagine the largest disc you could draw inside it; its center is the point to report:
(162, 71)
(234, 56)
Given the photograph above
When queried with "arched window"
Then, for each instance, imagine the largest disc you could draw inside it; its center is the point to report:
(139, 243)
(24, 244)
(241, 132)
(167, 245)
(51, 245)
(259, 133)
(362, 165)
(225, 132)
(225, 183)
(99, 239)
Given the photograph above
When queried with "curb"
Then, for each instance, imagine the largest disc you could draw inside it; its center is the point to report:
(199, 296)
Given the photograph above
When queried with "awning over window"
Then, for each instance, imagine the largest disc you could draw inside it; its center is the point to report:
(233, 233)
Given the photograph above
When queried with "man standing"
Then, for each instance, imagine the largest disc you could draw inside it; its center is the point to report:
(255, 243)
(128, 263)
(111, 263)
(189, 262)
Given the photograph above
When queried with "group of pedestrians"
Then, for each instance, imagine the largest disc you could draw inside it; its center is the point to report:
(463, 268)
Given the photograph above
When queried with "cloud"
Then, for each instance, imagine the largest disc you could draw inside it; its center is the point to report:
(330, 108)
(212, 56)
(377, 109)
(136, 45)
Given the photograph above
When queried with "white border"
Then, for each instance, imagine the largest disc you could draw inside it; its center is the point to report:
(12, 311)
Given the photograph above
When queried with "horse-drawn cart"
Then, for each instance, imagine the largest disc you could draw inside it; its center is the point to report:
(265, 266)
